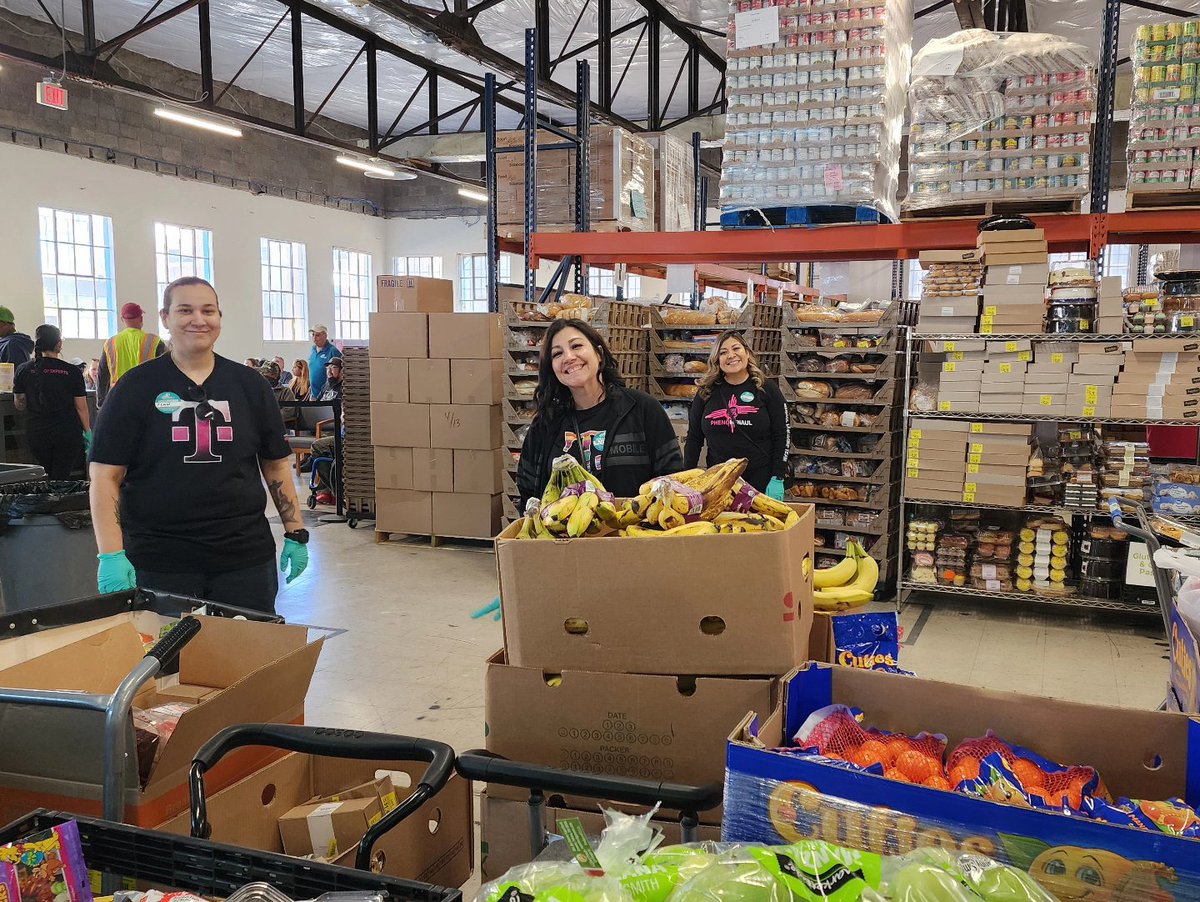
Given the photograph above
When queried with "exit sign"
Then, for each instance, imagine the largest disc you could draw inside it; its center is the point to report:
(51, 94)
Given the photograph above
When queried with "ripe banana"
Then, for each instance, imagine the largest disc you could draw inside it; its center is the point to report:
(868, 568)
(583, 514)
(699, 528)
(857, 592)
(839, 575)
(560, 510)
(839, 598)
(671, 518)
(640, 532)
(684, 476)
(526, 529)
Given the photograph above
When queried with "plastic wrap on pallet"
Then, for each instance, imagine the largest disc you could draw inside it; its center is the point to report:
(620, 182)
(999, 117)
(816, 117)
(675, 184)
(1164, 117)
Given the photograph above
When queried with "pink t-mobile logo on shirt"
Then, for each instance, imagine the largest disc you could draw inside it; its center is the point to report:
(203, 451)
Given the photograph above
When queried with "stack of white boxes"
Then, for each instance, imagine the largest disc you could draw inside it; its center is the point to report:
(949, 292)
(1160, 380)
(1049, 372)
(1093, 375)
(961, 377)
(1110, 316)
(1004, 376)
(1017, 268)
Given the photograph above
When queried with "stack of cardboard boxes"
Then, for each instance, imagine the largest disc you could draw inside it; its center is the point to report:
(982, 463)
(358, 458)
(1017, 268)
(1110, 316)
(585, 681)
(1160, 379)
(950, 292)
(435, 412)
(1093, 375)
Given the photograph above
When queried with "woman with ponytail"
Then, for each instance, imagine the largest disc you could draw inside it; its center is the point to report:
(51, 391)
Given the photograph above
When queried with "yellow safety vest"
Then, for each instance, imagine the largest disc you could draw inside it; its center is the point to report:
(127, 349)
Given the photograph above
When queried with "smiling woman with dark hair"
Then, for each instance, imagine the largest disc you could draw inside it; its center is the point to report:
(584, 409)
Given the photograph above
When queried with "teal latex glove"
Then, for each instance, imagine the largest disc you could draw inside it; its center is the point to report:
(296, 555)
(775, 489)
(115, 573)
(493, 609)
(87, 441)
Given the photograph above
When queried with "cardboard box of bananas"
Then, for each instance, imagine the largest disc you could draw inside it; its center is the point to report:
(849, 584)
(690, 503)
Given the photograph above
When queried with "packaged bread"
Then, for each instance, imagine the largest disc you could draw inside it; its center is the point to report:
(818, 315)
(695, 366)
(811, 388)
(681, 390)
(675, 317)
(855, 391)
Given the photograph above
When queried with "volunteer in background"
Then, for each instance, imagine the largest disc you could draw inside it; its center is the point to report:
(15, 347)
(51, 390)
(125, 350)
(739, 412)
(620, 435)
(285, 375)
(300, 384)
(322, 352)
(181, 450)
(333, 381)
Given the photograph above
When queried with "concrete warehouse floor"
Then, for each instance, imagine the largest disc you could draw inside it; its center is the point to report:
(411, 659)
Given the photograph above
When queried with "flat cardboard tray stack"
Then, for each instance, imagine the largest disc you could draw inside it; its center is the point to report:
(358, 459)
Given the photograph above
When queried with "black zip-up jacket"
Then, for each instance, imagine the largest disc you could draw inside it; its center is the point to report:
(741, 421)
(642, 445)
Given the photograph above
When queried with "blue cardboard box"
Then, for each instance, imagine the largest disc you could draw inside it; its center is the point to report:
(771, 797)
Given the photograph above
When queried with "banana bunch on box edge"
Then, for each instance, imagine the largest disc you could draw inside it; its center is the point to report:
(690, 503)
(848, 584)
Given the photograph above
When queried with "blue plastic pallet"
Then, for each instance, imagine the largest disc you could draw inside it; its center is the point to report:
(812, 215)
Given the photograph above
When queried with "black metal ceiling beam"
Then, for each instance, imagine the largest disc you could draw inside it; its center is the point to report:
(145, 25)
(970, 13)
(922, 13)
(684, 31)
(1160, 8)
(458, 34)
(250, 58)
(62, 29)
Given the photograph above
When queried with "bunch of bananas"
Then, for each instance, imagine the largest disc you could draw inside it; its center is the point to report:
(849, 584)
(575, 503)
(690, 503)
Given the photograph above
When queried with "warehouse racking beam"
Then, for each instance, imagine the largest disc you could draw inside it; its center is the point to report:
(904, 241)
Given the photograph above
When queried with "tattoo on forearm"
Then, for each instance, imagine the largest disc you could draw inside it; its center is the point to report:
(284, 504)
(117, 512)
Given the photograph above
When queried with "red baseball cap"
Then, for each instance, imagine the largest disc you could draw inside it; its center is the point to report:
(131, 311)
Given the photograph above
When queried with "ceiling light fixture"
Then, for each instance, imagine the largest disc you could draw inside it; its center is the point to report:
(195, 121)
(370, 168)
(473, 194)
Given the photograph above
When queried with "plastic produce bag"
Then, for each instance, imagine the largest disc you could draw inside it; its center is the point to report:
(935, 875)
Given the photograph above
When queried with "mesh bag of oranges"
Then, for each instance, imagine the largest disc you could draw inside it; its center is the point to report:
(993, 769)
(836, 732)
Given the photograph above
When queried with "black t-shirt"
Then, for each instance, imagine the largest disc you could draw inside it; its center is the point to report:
(741, 421)
(193, 498)
(586, 433)
(50, 387)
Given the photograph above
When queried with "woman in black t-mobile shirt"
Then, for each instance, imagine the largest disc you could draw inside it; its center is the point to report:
(739, 412)
(52, 393)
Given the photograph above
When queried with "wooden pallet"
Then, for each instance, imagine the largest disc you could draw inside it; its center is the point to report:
(462, 543)
(1160, 200)
(981, 209)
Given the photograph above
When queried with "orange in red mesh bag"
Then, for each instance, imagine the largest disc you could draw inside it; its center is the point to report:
(990, 767)
(836, 732)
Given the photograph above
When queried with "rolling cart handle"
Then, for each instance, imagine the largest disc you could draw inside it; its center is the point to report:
(169, 647)
(331, 743)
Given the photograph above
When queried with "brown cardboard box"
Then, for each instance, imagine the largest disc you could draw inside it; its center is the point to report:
(433, 469)
(413, 294)
(404, 511)
(654, 727)
(749, 619)
(966, 255)
(466, 516)
(479, 472)
(505, 830)
(956, 346)
(467, 426)
(429, 381)
(940, 307)
(399, 335)
(935, 325)
(1009, 345)
(477, 336)
(400, 425)
(389, 380)
(327, 829)
(1166, 345)
(258, 672)
(247, 814)
(1017, 272)
(476, 381)
(393, 468)
(1009, 236)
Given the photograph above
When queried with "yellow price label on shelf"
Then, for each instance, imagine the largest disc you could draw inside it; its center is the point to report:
(1056, 357)
(949, 345)
(1010, 346)
(1025, 356)
(1046, 400)
(988, 318)
(968, 497)
(1006, 367)
(990, 310)
(1074, 435)
(976, 458)
(972, 468)
(1090, 394)
(841, 343)
(977, 427)
(1089, 411)
(1187, 322)
(969, 487)
(915, 434)
(976, 448)
(949, 367)
(865, 343)
(958, 355)
(913, 472)
(985, 329)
